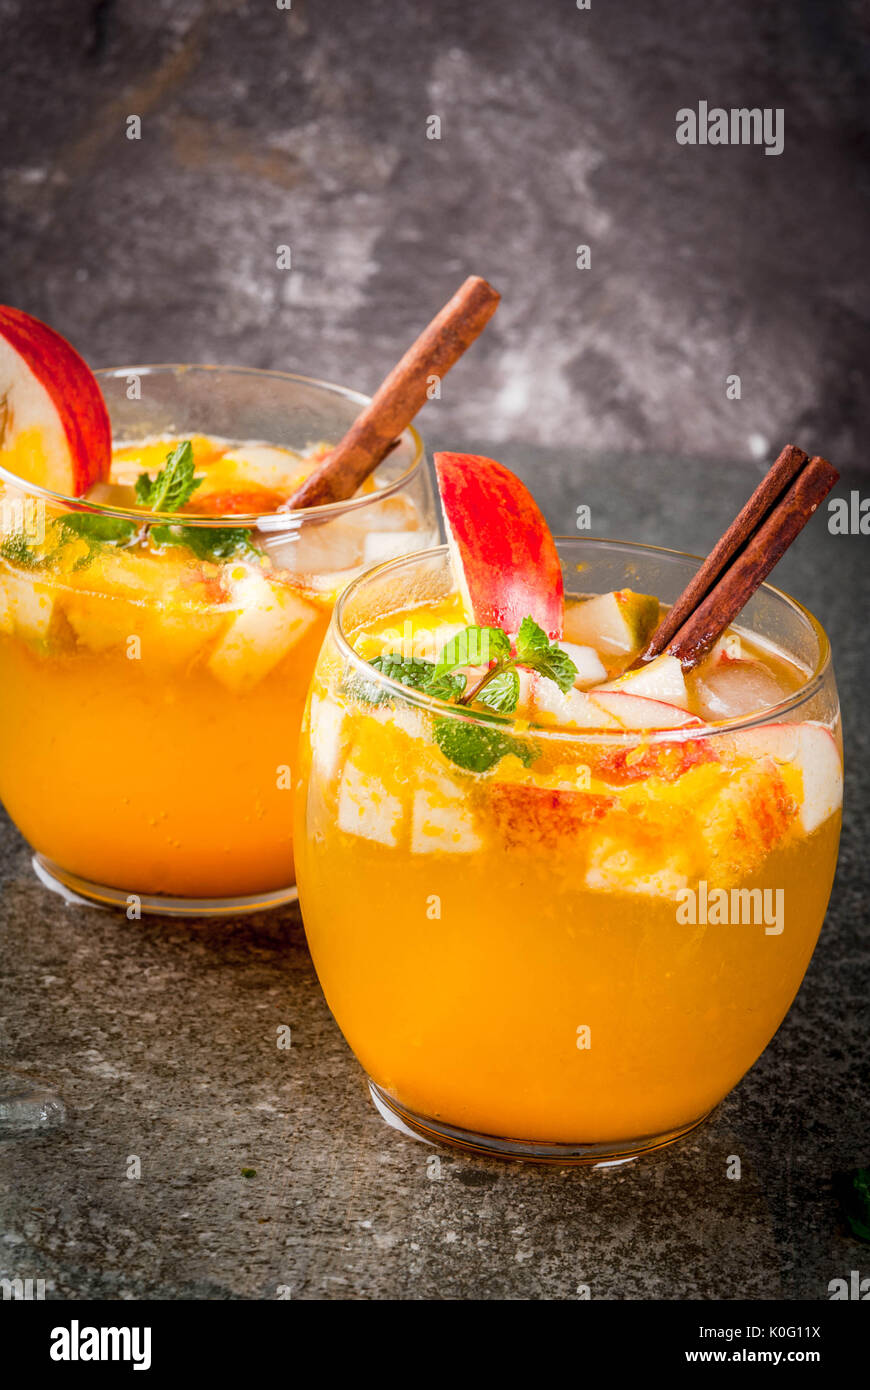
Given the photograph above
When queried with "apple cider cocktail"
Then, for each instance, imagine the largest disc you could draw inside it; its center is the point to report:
(557, 905)
(158, 629)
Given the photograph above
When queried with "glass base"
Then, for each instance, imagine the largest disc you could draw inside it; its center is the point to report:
(26, 1104)
(604, 1155)
(79, 890)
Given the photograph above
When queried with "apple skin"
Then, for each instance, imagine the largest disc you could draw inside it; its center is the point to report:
(811, 747)
(503, 554)
(50, 388)
(641, 712)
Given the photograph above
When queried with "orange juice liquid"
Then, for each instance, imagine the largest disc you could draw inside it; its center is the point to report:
(150, 701)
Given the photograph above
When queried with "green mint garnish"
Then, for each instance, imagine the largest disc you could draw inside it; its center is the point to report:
(469, 745)
(499, 687)
(502, 693)
(91, 527)
(477, 749)
(535, 649)
(97, 531)
(17, 550)
(111, 530)
(208, 542)
(174, 484)
(474, 646)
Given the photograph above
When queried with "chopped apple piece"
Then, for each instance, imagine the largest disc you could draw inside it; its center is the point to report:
(811, 749)
(614, 867)
(574, 710)
(327, 733)
(503, 554)
(529, 815)
(271, 619)
(639, 712)
(26, 607)
(662, 679)
(615, 624)
(590, 670)
(750, 814)
(54, 425)
(441, 820)
(366, 808)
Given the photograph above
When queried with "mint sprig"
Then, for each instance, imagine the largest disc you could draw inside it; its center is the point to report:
(208, 542)
(174, 484)
(470, 744)
(476, 748)
(499, 687)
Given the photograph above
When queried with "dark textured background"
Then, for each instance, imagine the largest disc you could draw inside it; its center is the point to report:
(262, 127)
(604, 387)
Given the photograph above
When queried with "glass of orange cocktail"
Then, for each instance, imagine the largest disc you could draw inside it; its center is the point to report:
(154, 665)
(568, 931)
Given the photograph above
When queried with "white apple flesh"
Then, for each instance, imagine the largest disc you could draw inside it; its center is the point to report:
(54, 425)
(809, 746)
(641, 712)
(662, 679)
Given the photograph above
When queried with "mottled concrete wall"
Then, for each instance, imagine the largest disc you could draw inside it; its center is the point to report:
(308, 127)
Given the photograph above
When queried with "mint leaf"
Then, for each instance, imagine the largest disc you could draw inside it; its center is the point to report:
(535, 649)
(502, 692)
(410, 671)
(17, 550)
(557, 666)
(208, 542)
(174, 484)
(531, 639)
(474, 646)
(445, 687)
(477, 749)
(108, 530)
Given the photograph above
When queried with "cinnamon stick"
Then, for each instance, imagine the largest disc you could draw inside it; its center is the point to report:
(751, 566)
(399, 397)
(771, 488)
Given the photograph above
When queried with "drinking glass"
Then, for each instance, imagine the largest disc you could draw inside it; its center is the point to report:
(525, 960)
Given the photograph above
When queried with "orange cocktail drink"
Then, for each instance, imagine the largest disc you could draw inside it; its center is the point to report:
(566, 931)
(155, 653)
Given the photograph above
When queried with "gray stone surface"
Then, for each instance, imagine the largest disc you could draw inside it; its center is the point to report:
(307, 127)
(161, 1039)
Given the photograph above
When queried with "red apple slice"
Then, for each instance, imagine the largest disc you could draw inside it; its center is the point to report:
(503, 554)
(811, 748)
(640, 712)
(54, 425)
(662, 679)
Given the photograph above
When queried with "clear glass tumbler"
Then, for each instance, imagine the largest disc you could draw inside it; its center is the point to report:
(525, 959)
(150, 702)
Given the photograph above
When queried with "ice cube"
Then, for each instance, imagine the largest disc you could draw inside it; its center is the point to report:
(326, 549)
(734, 688)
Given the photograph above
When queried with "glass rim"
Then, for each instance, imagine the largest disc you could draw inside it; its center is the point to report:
(275, 521)
(443, 708)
